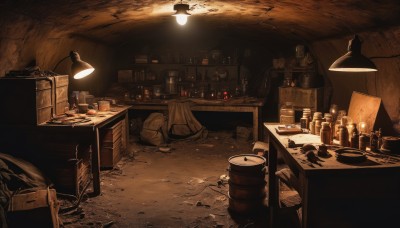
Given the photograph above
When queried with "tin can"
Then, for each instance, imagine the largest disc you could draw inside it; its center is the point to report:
(104, 106)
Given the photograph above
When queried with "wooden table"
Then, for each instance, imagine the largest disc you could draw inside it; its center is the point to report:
(90, 131)
(253, 106)
(336, 194)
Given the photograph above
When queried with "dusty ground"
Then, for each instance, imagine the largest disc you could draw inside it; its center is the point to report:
(149, 188)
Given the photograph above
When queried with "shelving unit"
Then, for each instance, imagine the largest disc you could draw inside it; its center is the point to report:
(199, 76)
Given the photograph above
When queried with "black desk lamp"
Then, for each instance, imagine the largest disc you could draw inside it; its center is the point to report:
(79, 68)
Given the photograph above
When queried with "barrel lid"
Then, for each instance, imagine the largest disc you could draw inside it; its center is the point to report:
(247, 160)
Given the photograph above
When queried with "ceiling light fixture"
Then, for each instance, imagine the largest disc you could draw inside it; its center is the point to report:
(79, 68)
(353, 60)
(181, 13)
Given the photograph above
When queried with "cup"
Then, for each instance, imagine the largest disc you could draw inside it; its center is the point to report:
(83, 108)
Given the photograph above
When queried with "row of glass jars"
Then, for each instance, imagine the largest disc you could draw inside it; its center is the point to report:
(342, 129)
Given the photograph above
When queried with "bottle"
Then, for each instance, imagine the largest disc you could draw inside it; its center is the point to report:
(379, 138)
(373, 141)
(362, 142)
(354, 140)
(343, 136)
(325, 133)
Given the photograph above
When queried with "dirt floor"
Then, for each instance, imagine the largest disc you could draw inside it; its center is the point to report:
(184, 187)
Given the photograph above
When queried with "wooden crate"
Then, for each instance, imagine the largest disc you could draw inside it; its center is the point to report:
(110, 156)
(301, 98)
(111, 134)
(67, 165)
(38, 208)
(70, 177)
(32, 101)
(113, 144)
(61, 94)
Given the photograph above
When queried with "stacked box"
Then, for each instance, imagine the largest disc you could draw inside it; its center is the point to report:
(32, 101)
(67, 165)
(113, 144)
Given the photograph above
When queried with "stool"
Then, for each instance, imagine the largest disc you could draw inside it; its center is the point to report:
(261, 149)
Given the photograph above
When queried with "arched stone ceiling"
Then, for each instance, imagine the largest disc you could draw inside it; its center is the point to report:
(115, 21)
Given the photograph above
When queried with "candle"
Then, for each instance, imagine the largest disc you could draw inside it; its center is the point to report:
(334, 111)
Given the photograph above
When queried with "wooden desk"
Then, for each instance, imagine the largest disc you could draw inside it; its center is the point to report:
(253, 106)
(335, 194)
(90, 131)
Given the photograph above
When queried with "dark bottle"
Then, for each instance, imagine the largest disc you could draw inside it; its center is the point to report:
(343, 136)
(354, 137)
(379, 138)
(373, 141)
(354, 140)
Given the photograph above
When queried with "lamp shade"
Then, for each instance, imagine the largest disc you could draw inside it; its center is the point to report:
(353, 60)
(181, 13)
(79, 68)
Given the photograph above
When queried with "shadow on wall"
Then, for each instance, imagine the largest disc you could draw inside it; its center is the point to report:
(383, 121)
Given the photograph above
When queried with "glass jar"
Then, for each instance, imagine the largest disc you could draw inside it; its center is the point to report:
(287, 113)
(318, 126)
(326, 133)
(315, 124)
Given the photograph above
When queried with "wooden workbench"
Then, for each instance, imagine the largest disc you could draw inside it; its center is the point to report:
(22, 140)
(247, 104)
(333, 193)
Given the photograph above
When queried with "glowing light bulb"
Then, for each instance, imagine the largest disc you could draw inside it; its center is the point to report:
(181, 13)
(181, 19)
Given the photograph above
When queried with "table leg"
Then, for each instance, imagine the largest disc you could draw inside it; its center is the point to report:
(273, 194)
(255, 124)
(96, 162)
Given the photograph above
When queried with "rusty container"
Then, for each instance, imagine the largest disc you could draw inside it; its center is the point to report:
(246, 183)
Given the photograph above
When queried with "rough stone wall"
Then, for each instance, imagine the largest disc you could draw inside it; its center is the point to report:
(24, 40)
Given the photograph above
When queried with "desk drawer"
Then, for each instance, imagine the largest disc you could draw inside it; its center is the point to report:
(112, 134)
(110, 156)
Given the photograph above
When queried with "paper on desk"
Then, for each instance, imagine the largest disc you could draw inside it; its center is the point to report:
(305, 138)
